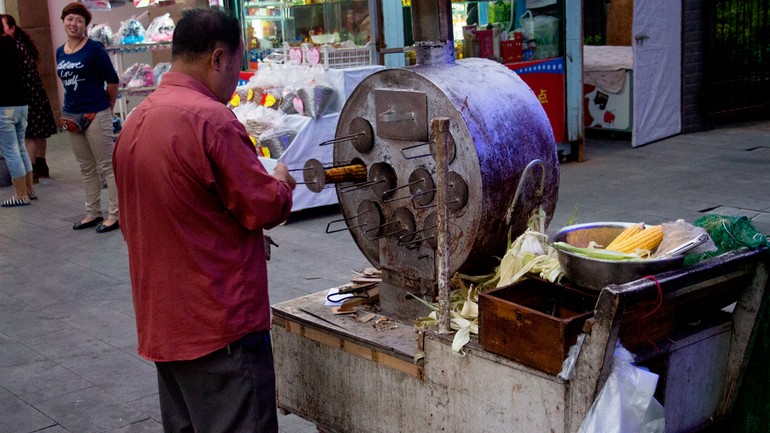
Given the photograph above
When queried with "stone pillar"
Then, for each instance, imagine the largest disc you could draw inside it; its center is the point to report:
(32, 16)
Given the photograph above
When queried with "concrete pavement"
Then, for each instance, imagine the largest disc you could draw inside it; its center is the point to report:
(67, 338)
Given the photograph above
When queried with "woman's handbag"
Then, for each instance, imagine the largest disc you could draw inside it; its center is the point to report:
(75, 122)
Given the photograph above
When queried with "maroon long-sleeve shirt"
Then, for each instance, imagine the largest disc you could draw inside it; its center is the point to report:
(194, 199)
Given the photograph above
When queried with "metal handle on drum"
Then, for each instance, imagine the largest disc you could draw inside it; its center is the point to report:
(428, 206)
(308, 168)
(392, 116)
(414, 146)
(328, 231)
(342, 139)
(391, 191)
(359, 185)
(324, 164)
(401, 241)
(519, 187)
(366, 232)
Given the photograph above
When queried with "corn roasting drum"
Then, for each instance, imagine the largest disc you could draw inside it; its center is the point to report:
(499, 136)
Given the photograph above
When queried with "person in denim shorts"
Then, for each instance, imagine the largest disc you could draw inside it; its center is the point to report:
(13, 123)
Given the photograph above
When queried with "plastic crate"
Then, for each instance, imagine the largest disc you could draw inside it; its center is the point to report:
(335, 58)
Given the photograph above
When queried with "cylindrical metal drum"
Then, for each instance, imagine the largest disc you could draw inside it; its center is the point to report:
(497, 126)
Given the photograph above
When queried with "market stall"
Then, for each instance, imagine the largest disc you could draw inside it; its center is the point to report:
(344, 375)
(433, 181)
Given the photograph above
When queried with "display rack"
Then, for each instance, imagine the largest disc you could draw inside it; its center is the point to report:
(116, 53)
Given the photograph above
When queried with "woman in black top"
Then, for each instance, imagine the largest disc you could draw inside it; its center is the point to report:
(40, 121)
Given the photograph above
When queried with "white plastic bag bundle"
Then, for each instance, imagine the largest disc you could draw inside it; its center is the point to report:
(544, 30)
(160, 69)
(131, 31)
(626, 403)
(161, 29)
(315, 100)
(101, 33)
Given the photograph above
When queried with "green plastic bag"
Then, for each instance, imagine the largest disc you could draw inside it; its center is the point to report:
(729, 233)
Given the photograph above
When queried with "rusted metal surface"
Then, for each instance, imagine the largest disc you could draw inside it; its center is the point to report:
(497, 131)
(441, 126)
(401, 114)
(497, 128)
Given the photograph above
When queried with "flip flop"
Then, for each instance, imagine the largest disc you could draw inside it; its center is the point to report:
(32, 195)
(13, 202)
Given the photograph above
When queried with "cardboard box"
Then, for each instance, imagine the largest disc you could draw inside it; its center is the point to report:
(533, 322)
(486, 44)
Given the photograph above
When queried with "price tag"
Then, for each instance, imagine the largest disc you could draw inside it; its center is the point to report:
(313, 56)
(295, 56)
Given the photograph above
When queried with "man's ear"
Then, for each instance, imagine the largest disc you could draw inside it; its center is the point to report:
(217, 59)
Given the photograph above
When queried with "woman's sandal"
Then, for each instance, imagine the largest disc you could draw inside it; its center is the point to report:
(32, 195)
(14, 201)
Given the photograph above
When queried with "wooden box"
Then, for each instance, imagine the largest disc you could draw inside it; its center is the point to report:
(533, 322)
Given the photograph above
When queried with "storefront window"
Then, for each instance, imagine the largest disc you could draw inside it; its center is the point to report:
(332, 21)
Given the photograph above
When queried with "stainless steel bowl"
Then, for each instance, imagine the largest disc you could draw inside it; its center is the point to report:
(595, 274)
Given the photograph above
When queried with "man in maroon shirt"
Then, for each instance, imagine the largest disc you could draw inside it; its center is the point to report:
(194, 201)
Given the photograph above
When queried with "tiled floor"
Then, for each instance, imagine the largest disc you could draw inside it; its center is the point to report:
(67, 338)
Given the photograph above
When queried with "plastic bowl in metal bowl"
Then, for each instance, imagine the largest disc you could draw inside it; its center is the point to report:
(595, 274)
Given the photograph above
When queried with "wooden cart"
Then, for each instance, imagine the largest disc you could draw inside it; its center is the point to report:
(348, 376)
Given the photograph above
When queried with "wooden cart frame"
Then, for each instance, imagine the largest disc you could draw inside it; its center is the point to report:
(345, 376)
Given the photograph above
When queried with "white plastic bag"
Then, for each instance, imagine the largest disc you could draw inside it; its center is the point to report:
(131, 31)
(626, 403)
(544, 31)
(101, 33)
(161, 29)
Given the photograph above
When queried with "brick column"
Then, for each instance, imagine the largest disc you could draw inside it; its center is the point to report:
(32, 16)
(693, 39)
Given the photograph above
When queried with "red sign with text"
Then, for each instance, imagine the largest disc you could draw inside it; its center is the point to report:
(546, 79)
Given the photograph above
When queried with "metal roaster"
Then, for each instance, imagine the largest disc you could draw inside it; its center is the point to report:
(502, 157)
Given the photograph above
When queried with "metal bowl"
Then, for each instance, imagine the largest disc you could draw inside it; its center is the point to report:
(595, 274)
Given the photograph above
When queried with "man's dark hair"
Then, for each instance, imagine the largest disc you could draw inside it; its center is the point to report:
(199, 30)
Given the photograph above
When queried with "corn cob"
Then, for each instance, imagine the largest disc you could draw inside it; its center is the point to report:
(645, 241)
(625, 234)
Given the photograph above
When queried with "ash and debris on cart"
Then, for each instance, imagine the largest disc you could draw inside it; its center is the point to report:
(359, 300)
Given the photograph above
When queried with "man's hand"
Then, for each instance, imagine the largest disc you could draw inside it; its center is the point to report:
(282, 173)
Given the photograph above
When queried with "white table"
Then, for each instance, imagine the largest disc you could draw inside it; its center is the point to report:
(311, 133)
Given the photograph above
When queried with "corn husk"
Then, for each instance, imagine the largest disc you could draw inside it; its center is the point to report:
(529, 254)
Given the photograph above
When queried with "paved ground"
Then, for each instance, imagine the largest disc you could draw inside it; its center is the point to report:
(67, 339)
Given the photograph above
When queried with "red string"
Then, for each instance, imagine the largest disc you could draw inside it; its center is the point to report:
(659, 302)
